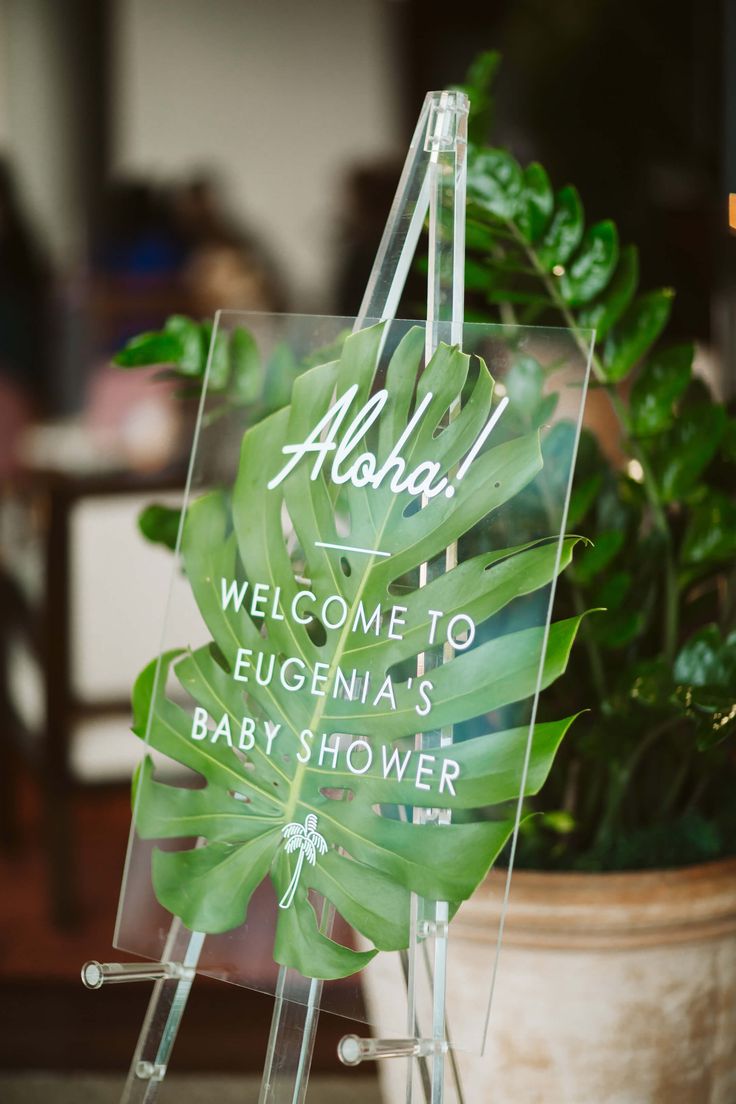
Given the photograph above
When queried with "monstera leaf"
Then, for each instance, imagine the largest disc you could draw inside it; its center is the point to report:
(276, 803)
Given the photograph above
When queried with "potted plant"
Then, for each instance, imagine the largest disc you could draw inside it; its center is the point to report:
(618, 976)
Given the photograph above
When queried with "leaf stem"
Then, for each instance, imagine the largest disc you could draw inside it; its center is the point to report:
(624, 772)
(676, 785)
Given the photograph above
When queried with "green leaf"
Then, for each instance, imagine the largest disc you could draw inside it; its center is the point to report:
(637, 331)
(194, 344)
(477, 237)
(160, 524)
(218, 357)
(606, 310)
(710, 536)
(301, 945)
(707, 659)
(482, 72)
(651, 683)
(705, 671)
(662, 382)
(717, 721)
(590, 270)
(495, 181)
(565, 230)
(212, 886)
(246, 366)
(149, 348)
(251, 794)
(537, 203)
(559, 821)
(478, 86)
(684, 452)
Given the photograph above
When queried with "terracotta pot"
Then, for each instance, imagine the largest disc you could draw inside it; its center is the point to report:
(612, 989)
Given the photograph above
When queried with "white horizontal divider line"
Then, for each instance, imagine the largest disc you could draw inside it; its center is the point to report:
(350, 548)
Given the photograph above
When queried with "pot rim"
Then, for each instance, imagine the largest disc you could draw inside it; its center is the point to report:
(710, 869)
(610, 910)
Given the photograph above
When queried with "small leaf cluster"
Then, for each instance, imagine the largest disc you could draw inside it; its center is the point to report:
(653, 762)
(189, 352)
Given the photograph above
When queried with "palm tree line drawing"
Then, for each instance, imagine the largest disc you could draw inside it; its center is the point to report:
(305, 839)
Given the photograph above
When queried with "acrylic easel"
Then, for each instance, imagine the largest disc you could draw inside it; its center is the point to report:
(432, 187)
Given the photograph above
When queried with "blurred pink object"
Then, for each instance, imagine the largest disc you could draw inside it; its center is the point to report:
(134, 415)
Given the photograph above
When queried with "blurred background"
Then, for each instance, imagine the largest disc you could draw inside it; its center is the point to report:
(176, 156)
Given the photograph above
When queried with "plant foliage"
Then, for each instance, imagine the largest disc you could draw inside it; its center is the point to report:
(648, 777)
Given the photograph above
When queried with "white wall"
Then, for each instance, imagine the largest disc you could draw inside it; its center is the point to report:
(37, 125)
(280, 95)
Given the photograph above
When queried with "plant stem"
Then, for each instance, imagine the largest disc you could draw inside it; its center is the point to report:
(697, 793)
(676, 785)
(625, 772)
(506, 310)
(595, 660)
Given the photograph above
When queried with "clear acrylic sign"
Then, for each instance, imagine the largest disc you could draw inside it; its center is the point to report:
(371, 539)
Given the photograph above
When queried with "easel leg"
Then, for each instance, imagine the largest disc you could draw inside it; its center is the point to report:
(291, 1042)
(161, 1022)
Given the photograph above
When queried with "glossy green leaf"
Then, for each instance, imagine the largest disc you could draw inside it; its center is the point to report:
(565, 231)
(373, 862)
(717, 720)
(662, 382)
(536, 204)
(710, 536)
(590, 270)
(478, 86)
(194, 344)
(707, 659)
(160, 524)
(606, 310)
(495, 181)
(684, 452)
(477, 237)
(635, 334)
(705, 673)
(149, 348)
